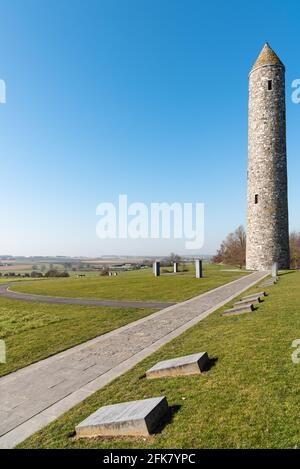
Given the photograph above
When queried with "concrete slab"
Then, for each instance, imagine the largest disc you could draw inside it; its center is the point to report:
(253, 300)
(269, 283)
(135, 418)
(248, 304)
(187, 365)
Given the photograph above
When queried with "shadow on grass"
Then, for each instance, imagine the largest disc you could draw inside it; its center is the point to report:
(167, 419)
(210, 364)
(286, 273)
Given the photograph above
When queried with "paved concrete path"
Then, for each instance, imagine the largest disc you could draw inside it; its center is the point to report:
(7, 293)
(34, 396)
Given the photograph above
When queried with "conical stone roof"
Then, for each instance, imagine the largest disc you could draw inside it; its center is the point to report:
(267, 57)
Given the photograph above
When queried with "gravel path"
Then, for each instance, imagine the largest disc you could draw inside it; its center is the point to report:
(7, 293)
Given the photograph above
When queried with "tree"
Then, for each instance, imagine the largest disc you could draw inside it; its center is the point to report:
(233, 249)
(174, 258)
(295, 250)
(56, 273)
(36, 274)
(104, 270)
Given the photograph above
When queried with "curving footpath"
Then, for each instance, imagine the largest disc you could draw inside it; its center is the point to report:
(7, 293)
(34, 396)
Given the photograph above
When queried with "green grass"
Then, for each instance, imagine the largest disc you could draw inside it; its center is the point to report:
(135, 285)
(250, 398)
(33, 331)
(14, 279)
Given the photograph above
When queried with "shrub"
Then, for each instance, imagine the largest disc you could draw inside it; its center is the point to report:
(56, 273)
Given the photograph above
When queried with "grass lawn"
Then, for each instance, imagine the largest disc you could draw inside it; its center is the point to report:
(250, 398)
(135, 285)
(33, 331)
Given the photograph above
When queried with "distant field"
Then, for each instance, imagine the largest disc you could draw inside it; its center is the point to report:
(16, 268)
(133, 285)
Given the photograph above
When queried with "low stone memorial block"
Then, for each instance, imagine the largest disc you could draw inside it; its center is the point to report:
(236, 311)
(156, 268)
(135, 418)
(247, 304)
(188, 365)
(254, 299)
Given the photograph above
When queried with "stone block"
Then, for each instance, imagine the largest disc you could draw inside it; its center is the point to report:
(253, 300)
(259, 294)
(134, 418)
(269, 282)
(247, 304)
(187, 365)
(236, 311)
(199, 268)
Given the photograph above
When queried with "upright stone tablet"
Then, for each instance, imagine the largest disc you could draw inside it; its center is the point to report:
(188, 365)
(269, 282)
(199, 268)
(175, 267)
(134, 418)
(237, 311)
(275, 270)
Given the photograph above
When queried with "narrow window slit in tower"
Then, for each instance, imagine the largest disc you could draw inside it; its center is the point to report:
(270, 85)
(256, 199)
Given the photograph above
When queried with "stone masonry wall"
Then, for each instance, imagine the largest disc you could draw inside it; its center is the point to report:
(267, 220)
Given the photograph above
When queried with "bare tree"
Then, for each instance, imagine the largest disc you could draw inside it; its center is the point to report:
(233, 249)
(295, 250)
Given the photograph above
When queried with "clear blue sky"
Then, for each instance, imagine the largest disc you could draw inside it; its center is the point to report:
(142, 97)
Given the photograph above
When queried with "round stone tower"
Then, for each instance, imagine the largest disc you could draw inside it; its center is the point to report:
(267, 220)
